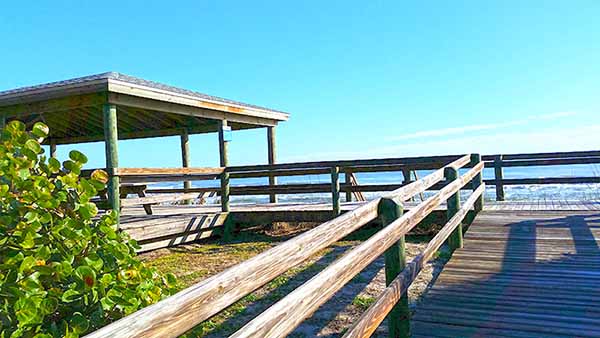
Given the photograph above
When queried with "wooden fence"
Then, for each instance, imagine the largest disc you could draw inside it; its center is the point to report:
(349, 187)
(499, 162)
(179, 313)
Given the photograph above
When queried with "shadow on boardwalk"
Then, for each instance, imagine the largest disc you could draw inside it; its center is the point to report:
(522, 275)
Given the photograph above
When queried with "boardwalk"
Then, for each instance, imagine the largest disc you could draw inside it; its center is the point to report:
(520, 274)
(172, 225)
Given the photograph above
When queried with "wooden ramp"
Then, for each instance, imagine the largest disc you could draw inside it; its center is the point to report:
(520, 274)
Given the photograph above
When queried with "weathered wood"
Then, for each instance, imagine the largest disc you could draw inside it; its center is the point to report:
(521, 278)
(437, 160)
(335, 190)
(455, 240)
(396, 290)
(550, 155)
(347, 180)
(224, 162)
(272, 157)
(2, 120)
(477, 182)
(167, 171)
(546, 180)
(550, 162)
(52, 149)
(498, 176)
(185, 156)
(286, 314)
(112, 156)
(179, 313)
(395, 261)
(353, 181)
(127, 202)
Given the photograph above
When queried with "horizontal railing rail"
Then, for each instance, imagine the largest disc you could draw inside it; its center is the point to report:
(177, 314)
(285, 315)
(347, 168)
(391, 295)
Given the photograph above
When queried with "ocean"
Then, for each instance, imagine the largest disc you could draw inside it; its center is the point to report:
(512, 192)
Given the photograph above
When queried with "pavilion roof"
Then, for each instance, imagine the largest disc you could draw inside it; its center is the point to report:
(73, 108)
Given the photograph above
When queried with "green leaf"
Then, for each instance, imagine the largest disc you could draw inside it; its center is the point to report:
(34, 146)
(79, 323)
(40, 130)
(78, 157)
(87, 275)
(54, 165)
(49, 305)
(70, 296)
(100, 176)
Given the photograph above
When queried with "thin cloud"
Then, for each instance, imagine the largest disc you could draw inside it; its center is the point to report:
(479, 127)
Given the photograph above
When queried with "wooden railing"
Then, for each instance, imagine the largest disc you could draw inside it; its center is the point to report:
(347, 188)
(499, 162)
(177, 314)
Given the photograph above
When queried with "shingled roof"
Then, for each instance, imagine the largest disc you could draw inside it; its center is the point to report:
(106, 77)
(73, 108)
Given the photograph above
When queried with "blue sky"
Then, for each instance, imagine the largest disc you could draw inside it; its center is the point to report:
(360, 79)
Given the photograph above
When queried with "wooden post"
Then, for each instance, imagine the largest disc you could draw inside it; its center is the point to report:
(2, 120)
(499, 175)
(395, 261)
(335, 190)
(348, 182)
(272, 153)
(406, 174)
(185, 158)
(224, 157)
(112, 156)
(52, 149)
(453, 204)
(477, 181)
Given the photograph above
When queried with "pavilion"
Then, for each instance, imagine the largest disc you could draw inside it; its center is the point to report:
(112, 106)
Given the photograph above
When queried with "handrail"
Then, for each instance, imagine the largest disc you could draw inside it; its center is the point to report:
(376, 313)
(281, 318)
(179, 313)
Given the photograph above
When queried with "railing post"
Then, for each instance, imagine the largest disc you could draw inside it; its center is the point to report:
(347, 181)
(477, 181)
(224, 160)
(395, 261)
(112, 157)
(453, 204)
(335, 190)
(499, 175)
(406, 175)
(272, 154)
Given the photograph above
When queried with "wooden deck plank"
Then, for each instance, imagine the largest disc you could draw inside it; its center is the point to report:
(521, 273)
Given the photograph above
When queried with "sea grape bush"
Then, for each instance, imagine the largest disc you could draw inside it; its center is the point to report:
(63, 271)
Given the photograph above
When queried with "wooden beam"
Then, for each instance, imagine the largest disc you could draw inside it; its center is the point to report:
(272, 153)
(453, 206)
(52, 149)
(170, 107)
(347, 180)
(395, 261)
(477, 182)
(2, 120)
(138, 134)
(499, 176)
(19, 110)
(224, 160)
(112, 156)
(335, 190)
(185, 157)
